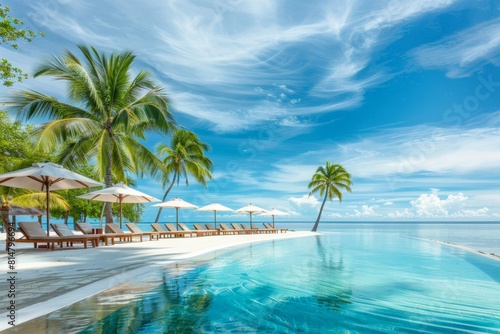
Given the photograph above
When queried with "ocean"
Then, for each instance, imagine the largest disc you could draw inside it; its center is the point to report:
(481, 236)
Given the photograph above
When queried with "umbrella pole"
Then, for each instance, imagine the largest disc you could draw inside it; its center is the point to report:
(251, 226)
(120, 214)
(48, 209)
(273, 221)
(102, 214)
(177, 218)
(215, 219)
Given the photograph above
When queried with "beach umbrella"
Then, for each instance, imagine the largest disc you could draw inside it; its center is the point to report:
(274, 212)
(250, 208)
(215, 207)
(177, 203)
(119, 193)
(16, 210)
(46, 176)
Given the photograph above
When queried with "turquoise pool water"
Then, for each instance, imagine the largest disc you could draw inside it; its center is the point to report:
(333, 283)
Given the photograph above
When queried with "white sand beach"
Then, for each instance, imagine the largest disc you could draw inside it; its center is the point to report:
(48, 280)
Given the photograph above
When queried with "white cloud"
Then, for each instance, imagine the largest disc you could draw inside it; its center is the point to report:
(332, 215)
(433, 206)
(304, 202)
(461, 53)
(483, 212)
(430, 205)
(366, 211)
(406, 213)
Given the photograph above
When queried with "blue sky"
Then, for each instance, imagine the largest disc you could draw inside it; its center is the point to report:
(404, 94)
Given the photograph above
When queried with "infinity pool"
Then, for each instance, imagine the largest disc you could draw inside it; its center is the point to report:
(333, 283)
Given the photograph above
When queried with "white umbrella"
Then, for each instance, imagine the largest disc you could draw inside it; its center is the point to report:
(215, 207)
(177, 203)
(250, 208)
(274, 212)
(119, 193)
(46, 176)
(16, 210)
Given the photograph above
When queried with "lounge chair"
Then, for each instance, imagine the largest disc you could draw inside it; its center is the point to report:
(224, 229)
(48, 241)
(258, 230)
(250, 230)
(161, 231)
(209, 226)
(270, 227)
(135, 229)
(63, 230)
(178, 233)
(118, 232)
(87, 229)
(34, 233)
(199, 227)
(240, 228)
(196, 232)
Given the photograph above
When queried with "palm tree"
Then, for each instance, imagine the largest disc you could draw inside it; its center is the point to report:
(329, 181)
(106, 118)
(185, 156)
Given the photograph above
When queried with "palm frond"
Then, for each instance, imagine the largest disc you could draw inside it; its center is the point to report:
(39, 200)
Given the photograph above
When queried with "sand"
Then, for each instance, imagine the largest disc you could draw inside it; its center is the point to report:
(47, 280)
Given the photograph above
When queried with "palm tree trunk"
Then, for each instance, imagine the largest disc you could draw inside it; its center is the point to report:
(163, 200)
(315, 227)
(5, 221)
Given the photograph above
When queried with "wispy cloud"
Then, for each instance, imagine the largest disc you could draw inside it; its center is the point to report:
(461, 54)
(222, 60)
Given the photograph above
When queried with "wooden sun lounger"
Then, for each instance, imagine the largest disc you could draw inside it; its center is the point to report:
(269, 226)
(87, 229)
(187, 229)
(172, 229)
(48, 241)
(258, 230)
(250, 230)
(224, 229)
(135, 229)
(240, 228)
(34, 233)
(199, 227)
(163, 233)
(118, 232)
(209, 226)
(268, 229)
(63, 230)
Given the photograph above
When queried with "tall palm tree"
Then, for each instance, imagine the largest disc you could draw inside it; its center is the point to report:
(107, 116)
(185, 156)
(329, 181)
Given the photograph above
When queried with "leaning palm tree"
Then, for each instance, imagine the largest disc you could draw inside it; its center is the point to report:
(106, 117)
(185, 156)
(328, 181)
